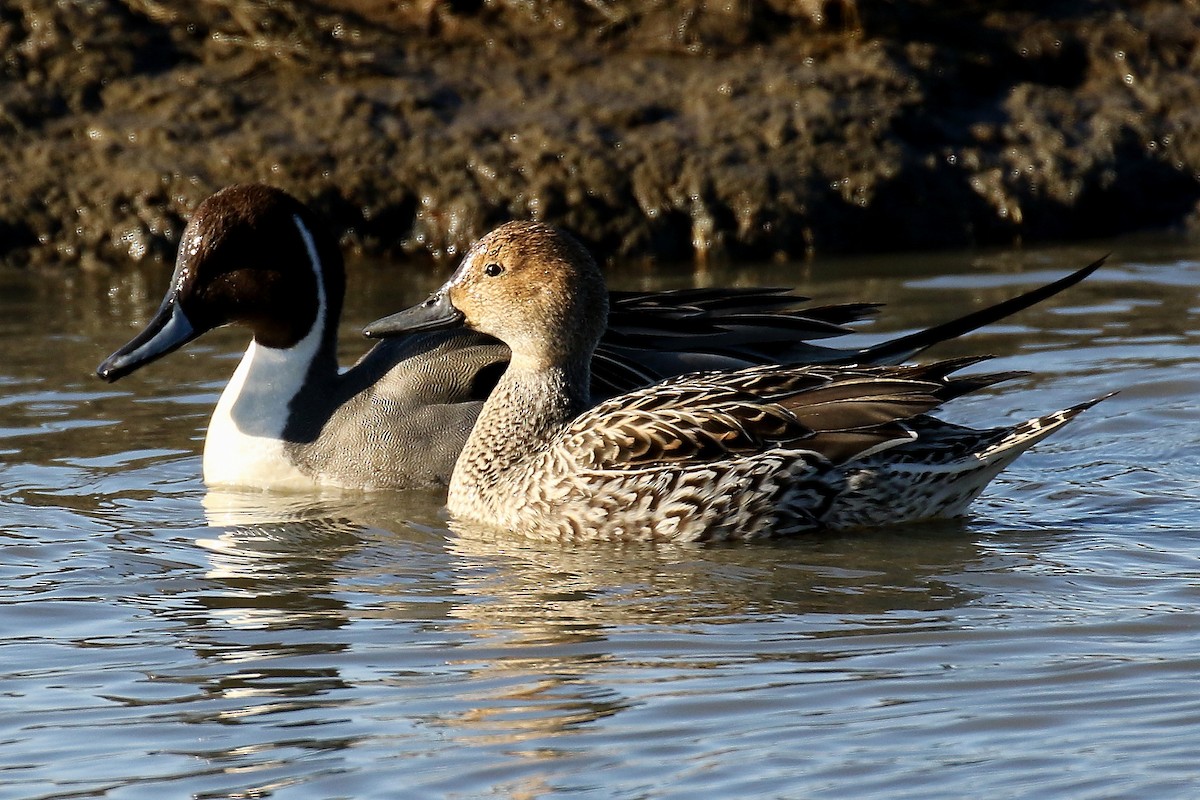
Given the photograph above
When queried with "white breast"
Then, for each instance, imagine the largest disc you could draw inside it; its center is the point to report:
(244, 446)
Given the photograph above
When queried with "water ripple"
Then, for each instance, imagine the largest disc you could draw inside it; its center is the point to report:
(160, 640)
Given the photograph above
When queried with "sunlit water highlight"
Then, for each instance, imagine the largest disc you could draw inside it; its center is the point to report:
(160, 641)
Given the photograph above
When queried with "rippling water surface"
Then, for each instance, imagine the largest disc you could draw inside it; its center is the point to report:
(158, 641)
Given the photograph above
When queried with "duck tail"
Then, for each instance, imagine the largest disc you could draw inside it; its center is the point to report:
(1021, 437)
(903, 348)
(939, 478)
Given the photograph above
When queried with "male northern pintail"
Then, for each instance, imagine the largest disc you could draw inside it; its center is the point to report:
(763, 451)
(255, 256)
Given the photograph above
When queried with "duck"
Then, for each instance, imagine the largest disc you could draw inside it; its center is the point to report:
(757, 452)
(291, 419)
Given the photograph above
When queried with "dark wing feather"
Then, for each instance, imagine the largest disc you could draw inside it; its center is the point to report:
(613, 374)
(842, 446)
(838, 414)
(685, 330)
(658, 334)
(690, 300)
(843, 313)
(861, 403)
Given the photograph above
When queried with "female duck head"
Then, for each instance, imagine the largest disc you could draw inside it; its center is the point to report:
(251, 255)
(531, 286)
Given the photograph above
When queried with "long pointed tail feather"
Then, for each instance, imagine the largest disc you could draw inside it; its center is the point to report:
(903, 348)
(1029, 433)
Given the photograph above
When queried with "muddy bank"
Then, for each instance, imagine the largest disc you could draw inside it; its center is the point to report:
(748, 129)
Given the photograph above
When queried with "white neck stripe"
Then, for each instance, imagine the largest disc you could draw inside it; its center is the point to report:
(314, 260)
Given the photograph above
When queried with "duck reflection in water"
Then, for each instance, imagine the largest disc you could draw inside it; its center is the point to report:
(535, 637)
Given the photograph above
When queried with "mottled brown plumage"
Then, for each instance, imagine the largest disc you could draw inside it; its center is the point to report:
(763, 451)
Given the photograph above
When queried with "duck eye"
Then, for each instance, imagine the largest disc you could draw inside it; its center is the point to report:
(492, 270)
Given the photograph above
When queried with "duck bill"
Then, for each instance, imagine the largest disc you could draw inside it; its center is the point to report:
(435, 313)
(168, 331)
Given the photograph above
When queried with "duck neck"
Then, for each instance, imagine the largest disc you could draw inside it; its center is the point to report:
(276, 396)
(530, 405)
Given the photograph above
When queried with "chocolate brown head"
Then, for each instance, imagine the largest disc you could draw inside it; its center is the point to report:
(251, 255)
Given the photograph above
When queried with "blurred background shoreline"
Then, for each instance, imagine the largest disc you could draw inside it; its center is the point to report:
(667, 131)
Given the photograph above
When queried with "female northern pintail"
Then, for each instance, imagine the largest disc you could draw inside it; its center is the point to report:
(762, 451)
(255, 256)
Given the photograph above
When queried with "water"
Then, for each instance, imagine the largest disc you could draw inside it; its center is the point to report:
(160, 641)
